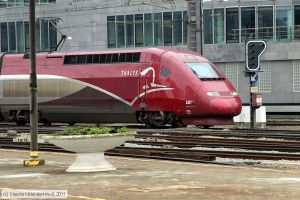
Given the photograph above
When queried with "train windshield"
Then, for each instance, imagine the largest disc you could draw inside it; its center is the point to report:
(203, 70)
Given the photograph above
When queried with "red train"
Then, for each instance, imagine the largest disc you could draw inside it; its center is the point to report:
(155, 86)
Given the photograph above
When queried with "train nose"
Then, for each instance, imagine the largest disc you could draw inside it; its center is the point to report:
(228, 106)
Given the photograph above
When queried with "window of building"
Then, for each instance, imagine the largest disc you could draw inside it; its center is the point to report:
(4, 37)
(27, 39)
(111, 32)
(15, 36)
(219, 26)
(297, 22)
(232, 25)
(283, 23)
(169, 28)
(168, 24)
(37, 37)
(177, 27)
(20, 37)
(184, 27)
(120, 31)
(148, 29)
(158, 39)
(129, 30)
(44, 35)
(265, 23)
(207, 26)
(296, 76)
(247, 23)
(12, 37)
(265, 78)
(139, 30)
(16, 3)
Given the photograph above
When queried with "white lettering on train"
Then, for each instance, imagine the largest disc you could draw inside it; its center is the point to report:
(129, 72)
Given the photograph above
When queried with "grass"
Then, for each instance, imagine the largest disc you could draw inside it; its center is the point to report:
(93, 130)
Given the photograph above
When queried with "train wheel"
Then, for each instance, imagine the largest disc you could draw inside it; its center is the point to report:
(148, 125)
(47, 123)
(206, 126)
(71, 123)
(177, 124)
(21, 123)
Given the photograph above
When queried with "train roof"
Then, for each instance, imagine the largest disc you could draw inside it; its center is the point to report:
(156, 52)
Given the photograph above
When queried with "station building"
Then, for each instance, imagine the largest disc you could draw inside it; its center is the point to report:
(217, 28)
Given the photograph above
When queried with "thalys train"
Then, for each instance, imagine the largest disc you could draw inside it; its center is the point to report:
(154, 86)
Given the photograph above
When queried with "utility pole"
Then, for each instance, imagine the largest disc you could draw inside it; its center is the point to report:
(33, 161)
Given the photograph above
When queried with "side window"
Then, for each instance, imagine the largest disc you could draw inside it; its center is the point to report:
(165, 71)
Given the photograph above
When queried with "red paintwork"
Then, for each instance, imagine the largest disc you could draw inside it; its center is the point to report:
(204, 110)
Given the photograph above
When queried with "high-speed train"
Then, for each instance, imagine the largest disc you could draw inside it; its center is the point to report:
(154, 86)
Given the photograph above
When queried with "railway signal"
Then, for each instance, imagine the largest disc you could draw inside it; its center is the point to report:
(254, 49)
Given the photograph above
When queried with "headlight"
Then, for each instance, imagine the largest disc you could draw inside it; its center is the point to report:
(213, 94)
(234, 93)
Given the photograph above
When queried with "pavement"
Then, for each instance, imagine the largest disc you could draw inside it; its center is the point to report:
(143, 179)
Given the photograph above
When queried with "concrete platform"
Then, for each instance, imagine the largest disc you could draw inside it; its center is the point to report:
(141, 179)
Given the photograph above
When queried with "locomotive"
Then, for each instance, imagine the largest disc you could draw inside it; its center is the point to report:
(154, 86)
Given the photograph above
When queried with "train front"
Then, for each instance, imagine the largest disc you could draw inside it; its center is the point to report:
(210, 99)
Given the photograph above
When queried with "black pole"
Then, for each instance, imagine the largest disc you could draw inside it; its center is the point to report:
(33, 79)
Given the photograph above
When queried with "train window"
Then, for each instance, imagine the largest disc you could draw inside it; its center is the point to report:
(203, 70)
(122, 57)
(102, 58)
(70, 59)
(115, 58)
(108, 58)
(96, 58)
(136, 57)
(89, 59)
(165, 71)
(81, 59)
(129, 57)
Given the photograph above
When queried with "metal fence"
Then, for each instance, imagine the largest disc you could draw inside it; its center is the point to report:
(271, 34)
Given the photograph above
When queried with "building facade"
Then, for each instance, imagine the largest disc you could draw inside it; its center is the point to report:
(228, 25)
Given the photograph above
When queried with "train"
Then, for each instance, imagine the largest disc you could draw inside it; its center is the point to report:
(152, 86)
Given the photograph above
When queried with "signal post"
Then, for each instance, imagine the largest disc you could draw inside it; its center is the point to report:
(254, 49)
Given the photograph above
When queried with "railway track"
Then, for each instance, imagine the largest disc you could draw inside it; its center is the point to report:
(188, 148)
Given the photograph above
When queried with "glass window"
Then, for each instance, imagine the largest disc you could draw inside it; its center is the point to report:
(10, 3)
(283, 23)
(139, 35)
(120, 31)
(265, 23)
(207, 26)
(19, 2)
(184, 26)
(129, 31)
(165, 71)
(203, 70)
(168, 23)
(177, 28)
(12, 36)
(219, 26)
(37, 36)
(148, 30)
(3, 4)
(158, 29)
(247, 23)
(4, 37)
(20, 37)
(52, 35)
(232, 25)
(44, 35)
(111, 32)
(27, 40)
(297, 22)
